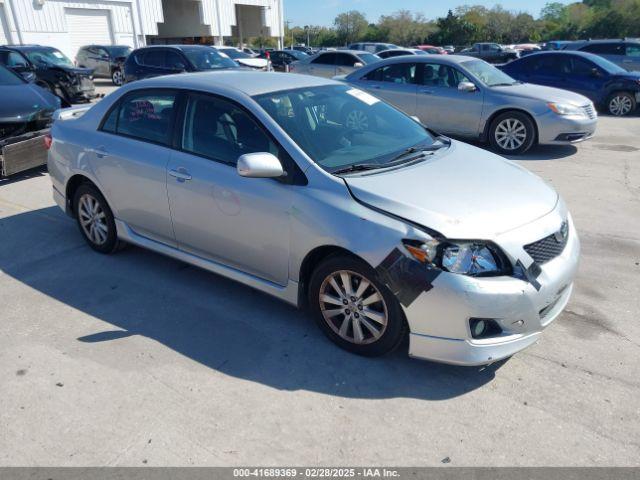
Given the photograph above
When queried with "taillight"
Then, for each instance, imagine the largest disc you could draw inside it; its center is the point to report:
(48, 140)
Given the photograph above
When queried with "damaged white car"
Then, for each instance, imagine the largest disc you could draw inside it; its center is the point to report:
(380, 227)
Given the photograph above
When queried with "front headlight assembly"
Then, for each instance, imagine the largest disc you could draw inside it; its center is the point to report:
(474, 258)
(566, 109)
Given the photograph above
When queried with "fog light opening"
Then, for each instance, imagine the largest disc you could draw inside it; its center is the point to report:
(484, 328)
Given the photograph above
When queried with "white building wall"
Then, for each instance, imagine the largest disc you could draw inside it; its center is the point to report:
(228, 14)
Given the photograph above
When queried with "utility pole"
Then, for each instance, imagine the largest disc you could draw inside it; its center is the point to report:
(306, 29)
(290, 31)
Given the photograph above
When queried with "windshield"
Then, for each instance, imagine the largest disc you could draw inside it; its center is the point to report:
(338, 126)
(208, 59)
(7, 77)
(606, 65)
(368, 58)
(49, 56)
(118, 51)
(233, 53)
(488, 74)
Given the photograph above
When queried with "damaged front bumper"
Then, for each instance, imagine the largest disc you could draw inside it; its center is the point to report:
(439, 317)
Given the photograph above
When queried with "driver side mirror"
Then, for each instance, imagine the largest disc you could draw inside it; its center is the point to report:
(466, 87)
(358, 65)
(259, 165)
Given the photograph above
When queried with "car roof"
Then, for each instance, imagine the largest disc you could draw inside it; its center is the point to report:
(547, 53)
(30, 47)
(248, 82)
(609, 40)
(346, 50)
(177, 47)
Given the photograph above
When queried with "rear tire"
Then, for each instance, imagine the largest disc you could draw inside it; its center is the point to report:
(512, 133)
(95, 219)
(365, 317)
(117, 77)
(621, 104)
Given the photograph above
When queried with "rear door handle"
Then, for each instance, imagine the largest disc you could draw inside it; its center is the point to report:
(100, 152)
(181, 174)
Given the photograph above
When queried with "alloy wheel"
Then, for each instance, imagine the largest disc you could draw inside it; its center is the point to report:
(93, 219)
(353, 307)
(620, 105)
(357, 120)
(117, 77)
(510, 134)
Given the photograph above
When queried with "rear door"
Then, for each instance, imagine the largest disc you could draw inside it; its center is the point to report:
(324, 65)
(441, 106)
(130, 156)
(395, 83)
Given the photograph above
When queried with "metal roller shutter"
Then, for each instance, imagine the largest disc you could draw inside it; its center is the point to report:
(88, 26)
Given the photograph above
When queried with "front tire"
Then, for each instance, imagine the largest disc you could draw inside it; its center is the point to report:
(354, 308)
(621, 104)
(512, 133)
(95, 219)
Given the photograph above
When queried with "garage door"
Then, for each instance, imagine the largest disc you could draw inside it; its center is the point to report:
(4, 26)
(88, 26)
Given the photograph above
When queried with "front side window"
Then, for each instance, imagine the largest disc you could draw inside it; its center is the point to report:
(633, 50)
(220, 130)
(7, 77)
(345, 60)
(436, 75)
(12, 59)
(581, 67)
(399, 73)
(143, 115)
(338, 126)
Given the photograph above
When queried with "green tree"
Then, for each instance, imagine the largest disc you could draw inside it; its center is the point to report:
(350, 26)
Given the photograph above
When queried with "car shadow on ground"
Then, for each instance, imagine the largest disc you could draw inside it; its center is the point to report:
(40, 171)
(211, 320)
(537, 152)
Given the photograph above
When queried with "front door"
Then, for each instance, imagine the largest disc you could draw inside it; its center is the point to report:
(217, 214)
(441, 106)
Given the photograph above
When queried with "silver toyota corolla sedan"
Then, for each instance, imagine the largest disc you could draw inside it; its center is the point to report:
(381, 231)
(467, 97)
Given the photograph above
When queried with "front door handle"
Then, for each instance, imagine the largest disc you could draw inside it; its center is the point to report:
(180, 174)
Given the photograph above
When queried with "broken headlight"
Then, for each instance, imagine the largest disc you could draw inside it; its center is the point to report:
(474, 258)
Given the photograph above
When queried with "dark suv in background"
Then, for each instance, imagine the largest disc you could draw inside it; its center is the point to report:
(157, 60)
(107, 61)
(50, 69)
(625, 53)
(491, 52)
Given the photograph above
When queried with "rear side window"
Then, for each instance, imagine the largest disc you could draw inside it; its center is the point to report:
(604, 48)
(345, 60)
(143, 115)
(326, 59)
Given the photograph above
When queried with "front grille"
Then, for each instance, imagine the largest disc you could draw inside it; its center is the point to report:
(549, 247)
(590, 111)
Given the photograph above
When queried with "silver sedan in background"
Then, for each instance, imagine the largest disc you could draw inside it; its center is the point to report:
(330, 64)
(469, 98)
(380, 229)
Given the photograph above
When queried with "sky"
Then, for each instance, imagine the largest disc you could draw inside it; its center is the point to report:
(322, 12)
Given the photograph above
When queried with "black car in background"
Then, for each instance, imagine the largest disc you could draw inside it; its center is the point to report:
(280, 59)
(156, 60)
(50, 69)
(26, 112)
(107, 61)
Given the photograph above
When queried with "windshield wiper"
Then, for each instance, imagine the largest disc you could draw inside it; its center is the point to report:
(505, 84)
(358, 167)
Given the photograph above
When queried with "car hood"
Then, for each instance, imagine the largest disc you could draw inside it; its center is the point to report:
(540, 92)
(252, 62)
(21, 103)
(462, 193)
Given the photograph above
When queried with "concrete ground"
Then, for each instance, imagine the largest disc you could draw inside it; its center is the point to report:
(138, 359)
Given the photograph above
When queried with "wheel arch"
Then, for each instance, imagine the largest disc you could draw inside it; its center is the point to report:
(72, 186)
(314, 258)
(492, 117)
